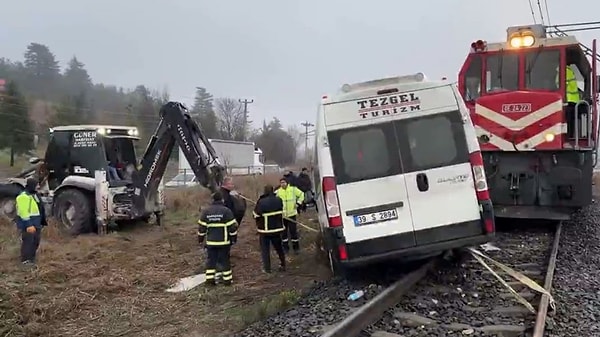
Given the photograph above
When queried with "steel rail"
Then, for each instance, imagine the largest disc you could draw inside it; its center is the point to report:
(540, 321)
(372, 311)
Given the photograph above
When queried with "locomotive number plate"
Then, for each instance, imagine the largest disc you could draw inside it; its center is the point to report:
(516, 107)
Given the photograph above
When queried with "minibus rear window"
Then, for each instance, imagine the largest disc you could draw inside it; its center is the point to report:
(363, 153)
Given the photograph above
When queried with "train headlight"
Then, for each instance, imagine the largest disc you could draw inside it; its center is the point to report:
(549, 137)
(522, 41)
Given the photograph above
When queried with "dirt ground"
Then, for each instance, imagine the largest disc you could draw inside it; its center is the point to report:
(114, 285)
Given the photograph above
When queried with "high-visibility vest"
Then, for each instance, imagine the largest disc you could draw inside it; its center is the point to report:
(572, 90)
(291, 196)
(28, 211)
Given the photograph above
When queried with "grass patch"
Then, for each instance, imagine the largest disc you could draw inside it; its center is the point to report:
(266, 307)
(114, 285)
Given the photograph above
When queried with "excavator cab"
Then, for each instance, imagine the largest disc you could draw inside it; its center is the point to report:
(81, 150)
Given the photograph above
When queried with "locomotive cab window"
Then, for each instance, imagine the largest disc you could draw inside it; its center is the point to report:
(502, 72)
(541, 68)
(472, 79)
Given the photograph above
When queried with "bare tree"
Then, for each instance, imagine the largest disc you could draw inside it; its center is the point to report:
(297, 136)
(230, 114)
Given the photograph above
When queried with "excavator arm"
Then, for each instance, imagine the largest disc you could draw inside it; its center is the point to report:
(175, 127)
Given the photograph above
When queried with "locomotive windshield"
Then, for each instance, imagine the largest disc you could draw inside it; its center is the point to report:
(502, 71)
(509, 70)
(541, 68)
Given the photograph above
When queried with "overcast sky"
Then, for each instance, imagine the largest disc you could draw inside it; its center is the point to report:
(282, 54)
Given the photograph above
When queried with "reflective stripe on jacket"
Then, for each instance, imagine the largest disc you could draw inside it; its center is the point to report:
(291, 197)
(217, 224)
(28, 211)
(268, 214)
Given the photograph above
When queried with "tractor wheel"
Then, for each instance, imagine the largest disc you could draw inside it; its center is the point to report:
(8, 195)
(8, 209)
(73, 210)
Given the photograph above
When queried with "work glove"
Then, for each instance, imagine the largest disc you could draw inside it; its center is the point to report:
(200, 239)
(234, 239)
(31, 230)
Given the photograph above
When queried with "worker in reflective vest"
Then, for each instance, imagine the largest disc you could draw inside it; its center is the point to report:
(572, 96)
(268, 214)
(218, 226)
(292, 198)
(30, 220)
(572, 90)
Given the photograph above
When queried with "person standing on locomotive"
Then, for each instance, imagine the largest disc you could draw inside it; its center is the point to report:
(572, 95)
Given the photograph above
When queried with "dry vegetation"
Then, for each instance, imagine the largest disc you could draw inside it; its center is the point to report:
(115, 285)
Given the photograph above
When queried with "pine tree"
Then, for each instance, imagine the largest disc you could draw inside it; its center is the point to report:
(76, 78)
(16, 132)
(204, 113)
(42, 69)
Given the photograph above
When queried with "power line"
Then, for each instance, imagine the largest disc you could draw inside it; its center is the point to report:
(547, 12)
(541, 13)
(245, 102)
(532, 12)
(306, 125)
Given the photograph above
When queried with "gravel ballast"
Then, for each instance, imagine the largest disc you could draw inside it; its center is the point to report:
(325, 305)
(576, 286)
(463, 299)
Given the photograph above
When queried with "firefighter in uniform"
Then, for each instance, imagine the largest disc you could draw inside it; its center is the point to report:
(30, 220)
(218, 226)
(292, 198)
(269, 223)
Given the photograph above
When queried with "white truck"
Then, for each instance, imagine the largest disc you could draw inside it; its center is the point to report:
(239, 158)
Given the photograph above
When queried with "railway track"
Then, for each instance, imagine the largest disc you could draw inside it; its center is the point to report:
(463, 298)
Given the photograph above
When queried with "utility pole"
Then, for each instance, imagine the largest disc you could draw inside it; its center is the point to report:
(245, 102)
(306, 125)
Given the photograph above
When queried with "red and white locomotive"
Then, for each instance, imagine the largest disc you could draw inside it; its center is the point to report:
(538, 135)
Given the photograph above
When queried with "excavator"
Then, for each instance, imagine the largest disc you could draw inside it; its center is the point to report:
(90, 179)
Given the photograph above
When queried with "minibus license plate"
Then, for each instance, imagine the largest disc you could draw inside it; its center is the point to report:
(366, 219)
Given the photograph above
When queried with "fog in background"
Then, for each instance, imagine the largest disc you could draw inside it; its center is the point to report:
(282, 54)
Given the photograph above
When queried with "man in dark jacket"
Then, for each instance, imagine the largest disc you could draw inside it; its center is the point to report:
(218, 226)
(291, 178)
(30, 220)
(269, 223)
(305, 185)
(231, 200)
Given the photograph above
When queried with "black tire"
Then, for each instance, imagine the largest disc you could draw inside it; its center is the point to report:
(8, 194)
(81, 220)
